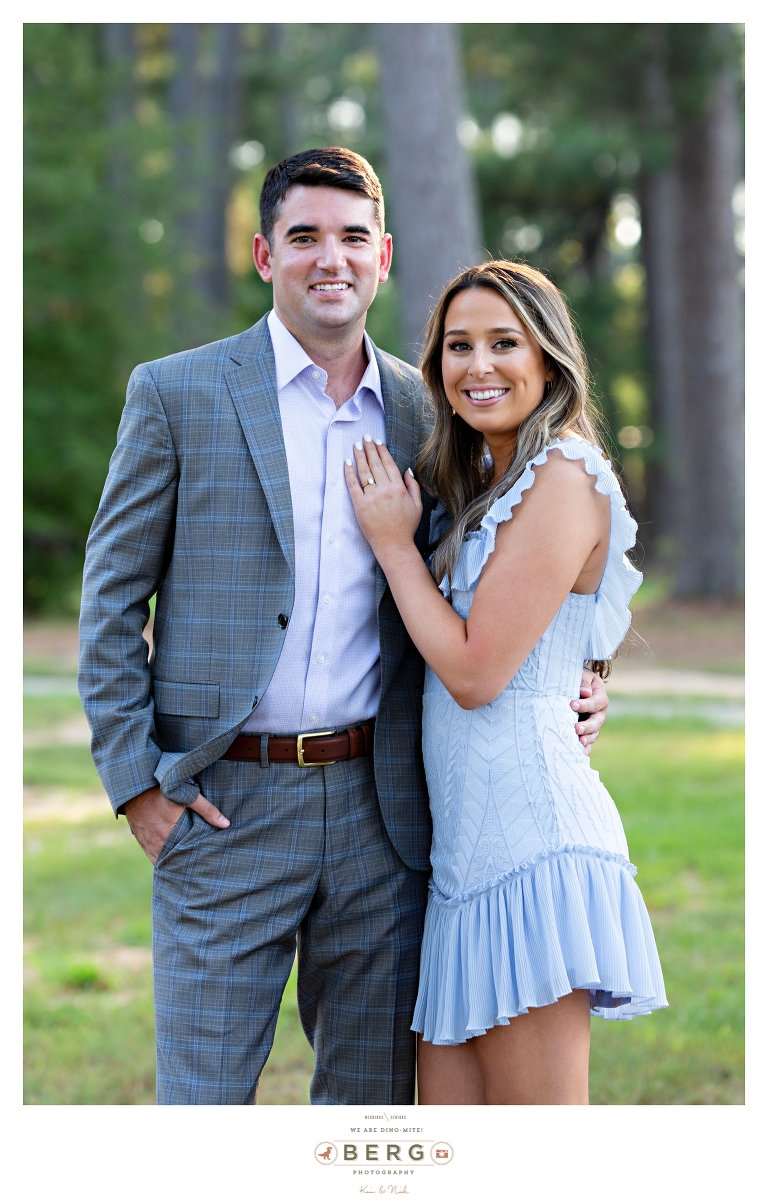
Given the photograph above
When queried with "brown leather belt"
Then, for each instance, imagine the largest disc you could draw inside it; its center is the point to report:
(314, 750)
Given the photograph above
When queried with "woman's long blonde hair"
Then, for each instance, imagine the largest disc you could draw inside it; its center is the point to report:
(453, 465)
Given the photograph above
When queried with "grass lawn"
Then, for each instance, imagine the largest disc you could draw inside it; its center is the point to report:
(679, 788)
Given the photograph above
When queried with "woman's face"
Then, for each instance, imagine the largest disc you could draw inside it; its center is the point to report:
(493, 370)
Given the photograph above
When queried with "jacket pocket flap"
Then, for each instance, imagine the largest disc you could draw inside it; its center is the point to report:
(188, 700)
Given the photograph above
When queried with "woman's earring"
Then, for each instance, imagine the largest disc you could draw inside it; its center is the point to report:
(453, 411)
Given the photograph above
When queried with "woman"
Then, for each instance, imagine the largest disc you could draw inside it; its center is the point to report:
(534, 920)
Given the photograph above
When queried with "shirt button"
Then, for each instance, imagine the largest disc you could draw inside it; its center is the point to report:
(320, 659)
(327, 599)
(330, 538)
(313, 717)
(315, 375)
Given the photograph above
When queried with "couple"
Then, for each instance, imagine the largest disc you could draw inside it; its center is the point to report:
(269, 756)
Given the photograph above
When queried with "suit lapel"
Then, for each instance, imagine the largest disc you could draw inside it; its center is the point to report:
(401, 430)
(252, 384)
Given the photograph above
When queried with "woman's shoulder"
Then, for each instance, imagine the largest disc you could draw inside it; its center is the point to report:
(580, 465)
(479, 544)
(579, 460)
(574, 447)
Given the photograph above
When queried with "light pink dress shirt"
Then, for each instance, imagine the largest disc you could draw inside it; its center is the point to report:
(328, 674)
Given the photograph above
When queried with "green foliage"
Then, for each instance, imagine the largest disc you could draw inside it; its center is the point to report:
(103, 155)
(72, 399)
(585, 144)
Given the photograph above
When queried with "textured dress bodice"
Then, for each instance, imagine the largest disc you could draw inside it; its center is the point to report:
(514, 798)
(554, 666)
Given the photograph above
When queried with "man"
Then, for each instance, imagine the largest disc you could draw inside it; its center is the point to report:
(226, 498)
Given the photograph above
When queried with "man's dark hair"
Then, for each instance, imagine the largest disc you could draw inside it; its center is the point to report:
(329, 167)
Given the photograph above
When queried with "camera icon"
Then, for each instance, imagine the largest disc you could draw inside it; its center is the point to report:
(441, 1153)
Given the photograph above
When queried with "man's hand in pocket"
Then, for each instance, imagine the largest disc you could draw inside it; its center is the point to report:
(152, 816)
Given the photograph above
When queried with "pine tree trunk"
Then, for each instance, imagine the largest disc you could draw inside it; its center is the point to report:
(429, 182)
(119, 49)
(221, 119)
(204, 101)
(119, 53)
(694, 324)
(660, 201)
(287, 106)
(709, 557)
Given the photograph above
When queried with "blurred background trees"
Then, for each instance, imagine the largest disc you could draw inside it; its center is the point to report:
(610, 156)
(428, 169)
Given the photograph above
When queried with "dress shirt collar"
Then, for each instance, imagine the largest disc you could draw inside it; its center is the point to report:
(291, 359)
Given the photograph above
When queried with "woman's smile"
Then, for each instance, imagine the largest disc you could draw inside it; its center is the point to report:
(484, 396)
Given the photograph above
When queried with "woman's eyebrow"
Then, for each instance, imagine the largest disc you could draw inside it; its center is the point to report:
(493, 330)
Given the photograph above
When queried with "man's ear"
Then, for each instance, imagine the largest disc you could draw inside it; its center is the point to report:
(262, 257)
(385, 257)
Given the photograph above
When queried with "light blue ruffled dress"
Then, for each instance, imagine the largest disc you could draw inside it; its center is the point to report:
(532, 893)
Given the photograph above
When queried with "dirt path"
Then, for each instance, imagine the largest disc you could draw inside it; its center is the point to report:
(695, 636)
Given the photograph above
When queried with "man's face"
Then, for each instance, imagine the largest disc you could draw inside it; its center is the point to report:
(326, 260)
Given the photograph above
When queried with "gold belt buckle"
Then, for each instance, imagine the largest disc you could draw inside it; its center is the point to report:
(314, 734)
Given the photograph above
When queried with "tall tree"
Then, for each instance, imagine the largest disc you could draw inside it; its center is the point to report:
(692, 168)
(707, 160)
(429, 183)
(204, 100)
(286, 94)
(661, 209)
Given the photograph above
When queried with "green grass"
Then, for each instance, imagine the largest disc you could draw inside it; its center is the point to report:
(46, 710)
(679, 787)
(62, 766)
(68, 766)
(87, 905)
(89, 1025)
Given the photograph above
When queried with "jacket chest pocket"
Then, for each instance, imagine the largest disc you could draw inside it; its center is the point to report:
(186, 700)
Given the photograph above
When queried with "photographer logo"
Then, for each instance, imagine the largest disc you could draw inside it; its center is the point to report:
(377, 1156)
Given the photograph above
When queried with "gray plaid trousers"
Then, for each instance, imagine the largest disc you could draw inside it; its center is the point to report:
(307, 856)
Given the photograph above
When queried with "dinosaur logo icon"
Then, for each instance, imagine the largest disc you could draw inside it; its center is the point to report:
(325, 1153)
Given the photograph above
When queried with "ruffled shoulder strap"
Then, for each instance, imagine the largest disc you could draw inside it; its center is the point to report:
(620, 579)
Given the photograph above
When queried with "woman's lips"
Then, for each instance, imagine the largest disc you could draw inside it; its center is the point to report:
(481, 397)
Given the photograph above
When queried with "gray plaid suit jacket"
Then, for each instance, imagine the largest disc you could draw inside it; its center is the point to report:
(197, 509)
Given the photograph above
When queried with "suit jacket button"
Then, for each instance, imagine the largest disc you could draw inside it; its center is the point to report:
(282, 621)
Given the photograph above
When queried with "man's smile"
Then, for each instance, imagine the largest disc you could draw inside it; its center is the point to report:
(341, 286)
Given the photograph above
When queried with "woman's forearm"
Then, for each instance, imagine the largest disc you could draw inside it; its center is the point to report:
(437, 631)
